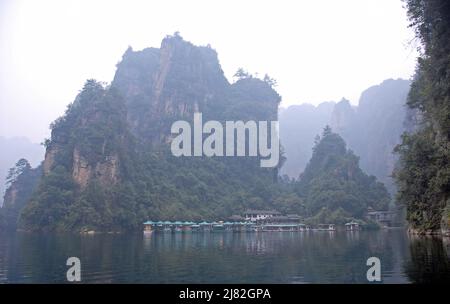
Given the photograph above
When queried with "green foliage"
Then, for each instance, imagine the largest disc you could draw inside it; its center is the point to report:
(333, 181)
(423, 173)
(22, 166)
(250, 99)
(94, 127)
(47, 207)
(270, 81)
(241, 74)
(22, 181)
(201, 188)
(423, 179)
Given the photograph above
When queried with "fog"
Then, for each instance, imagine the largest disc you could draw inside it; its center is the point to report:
(317, 50)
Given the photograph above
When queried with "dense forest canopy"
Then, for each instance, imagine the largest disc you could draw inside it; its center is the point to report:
(333, 181)
(423, 173)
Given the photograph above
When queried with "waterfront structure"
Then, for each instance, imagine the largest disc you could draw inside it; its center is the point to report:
(281, 219)
(325, 227)
(257, 215)
(239, 227)
(218, 227)
(205, 226)
(257, 220)
(281, 227)
(195, 227)
(167, 226)
(148, 226)
(187, 226)
(384, 218)
(351, 226)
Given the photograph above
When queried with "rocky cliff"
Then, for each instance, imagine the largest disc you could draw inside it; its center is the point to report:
(87, 141)
(166, 84)
(372, 129)
(108, 164)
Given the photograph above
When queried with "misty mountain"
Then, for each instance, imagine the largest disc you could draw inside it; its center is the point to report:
(333, 184)
(372, 129)
(299, 125)
(12, 149)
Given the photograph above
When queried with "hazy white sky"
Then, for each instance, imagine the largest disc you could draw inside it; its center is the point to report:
(317, 50)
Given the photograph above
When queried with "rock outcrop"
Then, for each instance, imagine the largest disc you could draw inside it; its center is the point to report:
(107, 164)
(167, 84)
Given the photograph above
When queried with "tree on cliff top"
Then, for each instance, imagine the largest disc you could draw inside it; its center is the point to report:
(21, 166)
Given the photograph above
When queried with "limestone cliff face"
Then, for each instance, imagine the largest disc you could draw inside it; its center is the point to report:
(154, 87)
(188, 78)
(11, 194)
(342, 117)
(167, 84)
(105, 171)
(49, 159)
(89, 140)
(81, 172)
(373, 128)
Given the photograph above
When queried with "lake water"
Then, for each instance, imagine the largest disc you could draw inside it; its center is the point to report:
(225, 257)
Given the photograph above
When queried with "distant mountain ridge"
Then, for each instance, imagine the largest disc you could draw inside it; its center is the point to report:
(372, 129)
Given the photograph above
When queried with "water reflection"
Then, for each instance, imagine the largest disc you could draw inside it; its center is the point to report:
(276, 257)
(429, 261)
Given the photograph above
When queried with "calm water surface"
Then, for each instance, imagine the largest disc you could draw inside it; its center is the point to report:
(270, 257)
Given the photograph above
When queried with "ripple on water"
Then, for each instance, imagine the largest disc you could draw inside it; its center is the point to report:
(220, 258)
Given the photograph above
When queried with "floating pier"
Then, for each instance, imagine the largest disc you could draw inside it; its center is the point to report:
(178, 226)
